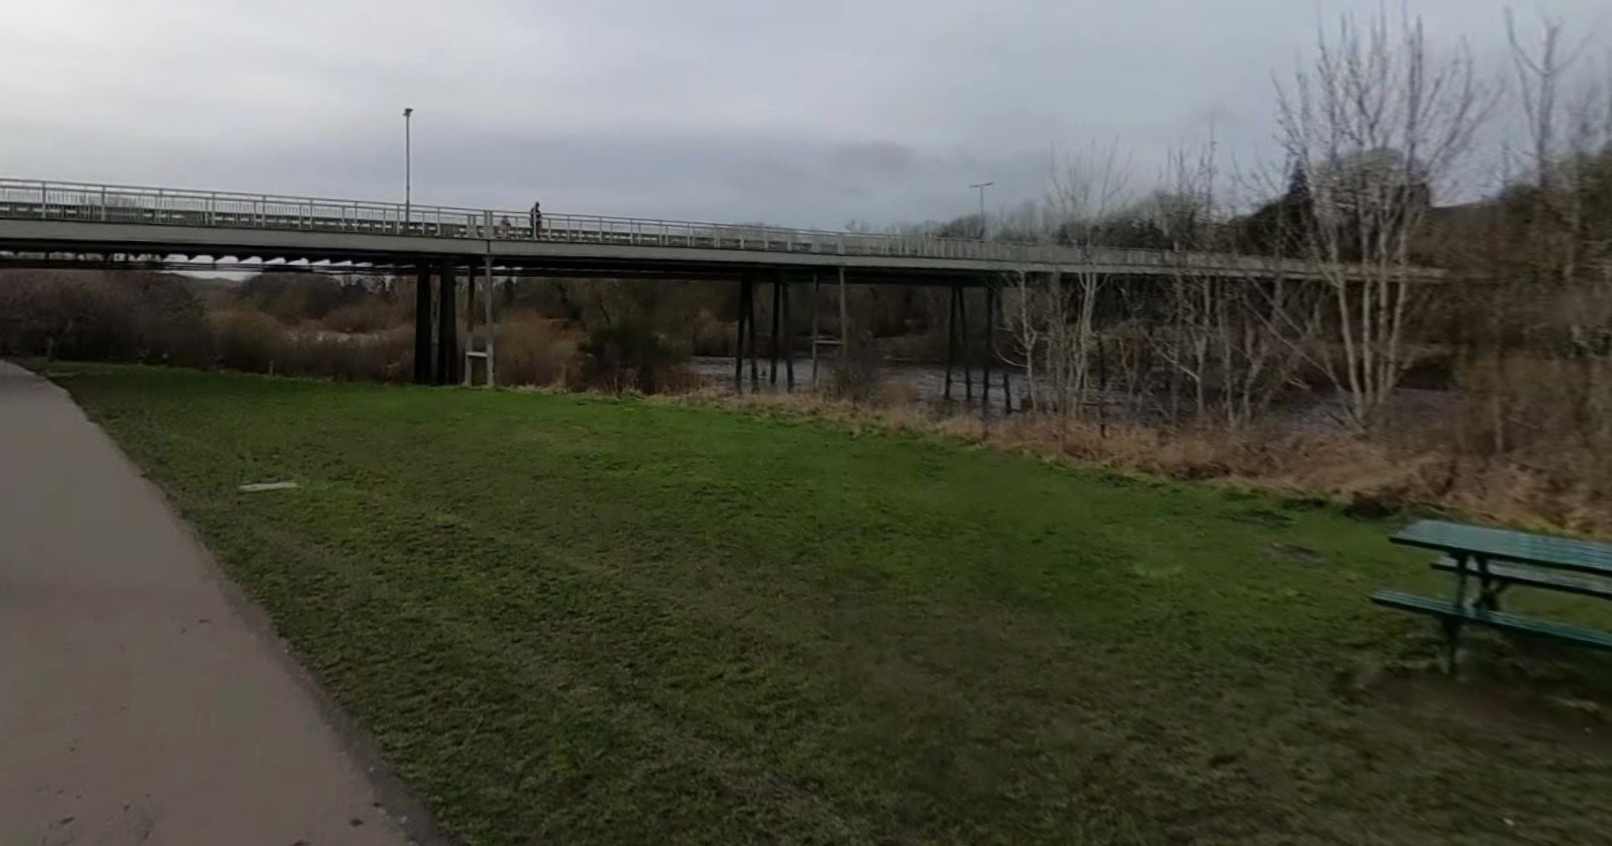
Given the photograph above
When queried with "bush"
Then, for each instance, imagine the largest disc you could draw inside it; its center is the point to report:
(132, 316)
(293, 298)
(372, 315)
(631, 356)
(249, 340)
(255, 342)
(858, 376)
(532, 350)
(708, 335)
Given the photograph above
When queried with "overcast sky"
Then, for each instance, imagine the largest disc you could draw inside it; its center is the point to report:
(804, 113)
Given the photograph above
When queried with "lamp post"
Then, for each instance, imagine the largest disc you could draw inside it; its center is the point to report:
(408, 167)
(981, 186)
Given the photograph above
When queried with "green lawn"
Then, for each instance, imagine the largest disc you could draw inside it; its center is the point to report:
(583, 621)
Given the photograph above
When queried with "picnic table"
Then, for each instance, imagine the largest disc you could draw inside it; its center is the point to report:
(1486, 562)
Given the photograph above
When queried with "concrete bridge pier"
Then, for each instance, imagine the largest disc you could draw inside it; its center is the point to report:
(953, 303)
(958, 349)
(990, 348)
(422, 324)
(962, 342)
(772, 341)
(750, 329)
(782, 335)
(789, 336)
(1007, 393)
(746, 323)
(489, 329)
(447, 370)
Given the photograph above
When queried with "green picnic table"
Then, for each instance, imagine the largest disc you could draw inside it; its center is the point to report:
(1486, 562)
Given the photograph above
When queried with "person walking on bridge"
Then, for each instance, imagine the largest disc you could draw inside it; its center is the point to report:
(537, 219)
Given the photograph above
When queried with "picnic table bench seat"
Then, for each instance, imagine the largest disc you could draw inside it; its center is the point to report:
(1531, 577)
(1498, 559)
(1445, 610)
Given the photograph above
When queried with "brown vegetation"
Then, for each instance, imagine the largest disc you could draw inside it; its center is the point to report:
(533, 350)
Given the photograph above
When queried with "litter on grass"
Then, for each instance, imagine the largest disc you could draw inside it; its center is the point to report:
(268, 486)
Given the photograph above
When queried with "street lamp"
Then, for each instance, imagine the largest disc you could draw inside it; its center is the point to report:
(408, 166)
(982, 186)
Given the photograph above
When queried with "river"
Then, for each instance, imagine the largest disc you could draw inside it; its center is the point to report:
(927, 381)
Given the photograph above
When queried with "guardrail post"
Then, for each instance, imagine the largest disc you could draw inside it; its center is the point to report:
(44, 199)
(103, 203)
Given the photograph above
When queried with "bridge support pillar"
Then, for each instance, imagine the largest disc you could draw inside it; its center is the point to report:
(447, 328)
(962, 342)
(484, 300)
(738, 335)
(845, 341)
(789, 337)
(772, 342)
(750, 326)
(990, 349)
(1007, 382)
(952, 301)
(815, 334)
(422, 325)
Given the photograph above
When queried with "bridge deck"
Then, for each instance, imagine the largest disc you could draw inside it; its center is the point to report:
(39, 217)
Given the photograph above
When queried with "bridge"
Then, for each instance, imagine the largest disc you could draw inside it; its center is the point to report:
(40, 218)
(80, 224)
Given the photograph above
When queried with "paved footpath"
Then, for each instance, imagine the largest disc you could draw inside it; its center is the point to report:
(142, 701)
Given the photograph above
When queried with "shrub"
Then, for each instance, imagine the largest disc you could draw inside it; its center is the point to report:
(249, 340)
(857, 376)
(133, 316)
(631, 355)
(255, 342)
(372, 315)
(532, 350)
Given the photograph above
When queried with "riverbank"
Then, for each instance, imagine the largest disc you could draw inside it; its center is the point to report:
(1419, 465)
(593, 620)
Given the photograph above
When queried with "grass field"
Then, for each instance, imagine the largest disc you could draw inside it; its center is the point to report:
(586, 621)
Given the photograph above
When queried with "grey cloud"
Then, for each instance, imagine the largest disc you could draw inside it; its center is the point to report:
(876, 156)
(702, 109)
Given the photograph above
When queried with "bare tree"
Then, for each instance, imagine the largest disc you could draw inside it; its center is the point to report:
(1191, 303)
(1568, 109)
(1231, 338)
(1558, 260)
(1050, 318)
(1380, 124)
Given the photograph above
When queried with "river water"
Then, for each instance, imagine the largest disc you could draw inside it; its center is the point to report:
(927, 381)
(1321, 410)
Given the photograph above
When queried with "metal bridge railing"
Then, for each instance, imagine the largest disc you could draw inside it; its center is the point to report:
(70, 201)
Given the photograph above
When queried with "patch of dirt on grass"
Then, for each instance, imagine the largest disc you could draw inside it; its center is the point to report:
(1503, 710)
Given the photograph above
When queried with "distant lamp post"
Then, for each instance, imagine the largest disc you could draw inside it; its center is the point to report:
(408, 166)
(981, 186)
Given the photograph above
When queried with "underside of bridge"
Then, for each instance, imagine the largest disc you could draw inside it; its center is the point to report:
(443, 357)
